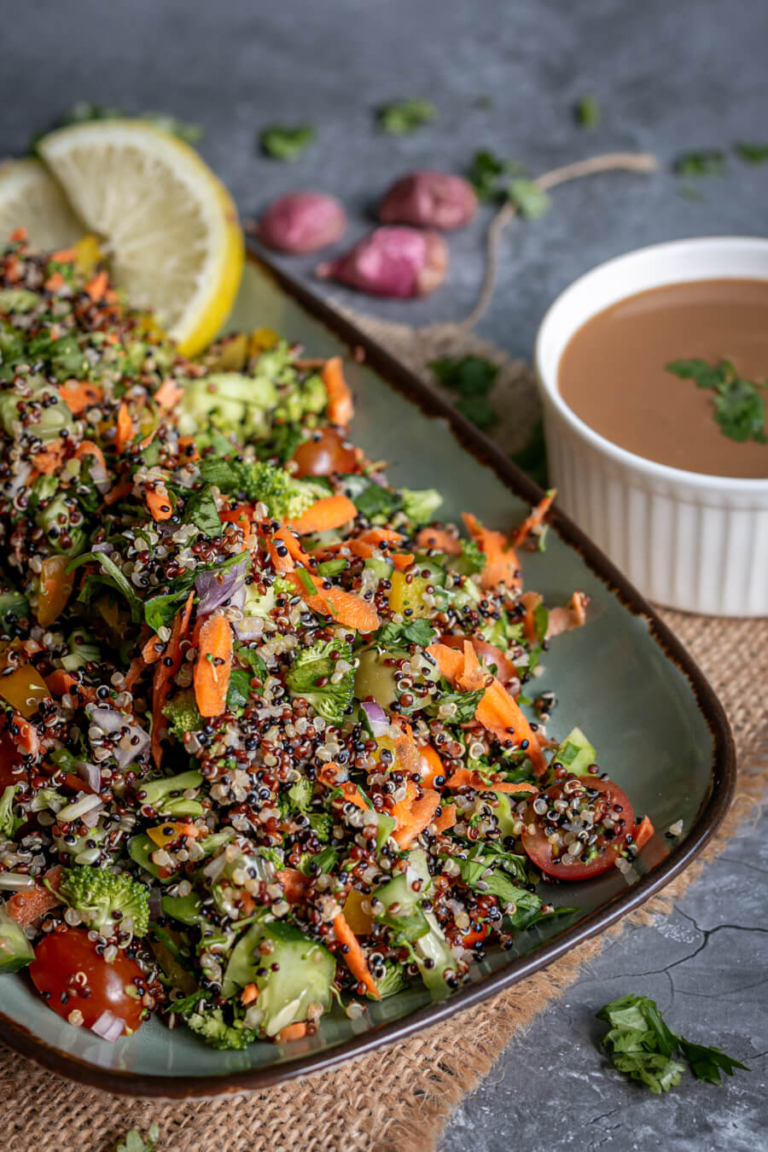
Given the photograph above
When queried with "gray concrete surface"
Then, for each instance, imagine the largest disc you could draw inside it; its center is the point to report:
(670, 77)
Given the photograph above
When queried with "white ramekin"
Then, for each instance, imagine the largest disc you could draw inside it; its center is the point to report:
(688, 541)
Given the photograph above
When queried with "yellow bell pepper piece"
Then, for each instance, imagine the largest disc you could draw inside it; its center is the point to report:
(405, 595)
(359, 919)
(24, 688)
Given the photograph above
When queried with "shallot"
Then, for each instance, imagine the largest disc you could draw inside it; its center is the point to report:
(392, 262)
(301, 222)
(429, 200)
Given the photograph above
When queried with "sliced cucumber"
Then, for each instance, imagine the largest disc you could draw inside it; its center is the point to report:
(575, 753)
(15, 949)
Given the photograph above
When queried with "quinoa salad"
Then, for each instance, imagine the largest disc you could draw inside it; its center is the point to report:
(271, 740)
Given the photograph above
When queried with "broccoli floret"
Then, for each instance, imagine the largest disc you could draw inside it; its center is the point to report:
(393, 980)
(420, 506)
(317, 664)
(182, 714)
(101, 894)
(300, 794)
(285, 497)
(8, 822)
(166, 796)
(211, 1025)
(321, 824)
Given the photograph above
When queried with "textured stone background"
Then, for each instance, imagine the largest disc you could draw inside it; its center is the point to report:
(670, 77)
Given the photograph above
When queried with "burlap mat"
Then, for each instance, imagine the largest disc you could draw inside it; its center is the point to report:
(399, 1098)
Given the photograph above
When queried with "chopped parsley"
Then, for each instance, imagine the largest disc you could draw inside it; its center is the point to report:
(708, 162)
(284, 143)
(587, 112)
(739, 406)
(489, 175)
(751, 153)
(419, 632)
(404, 116)
(641, 1045)
(473, 378)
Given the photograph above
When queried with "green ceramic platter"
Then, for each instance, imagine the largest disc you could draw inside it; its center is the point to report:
(658, 728)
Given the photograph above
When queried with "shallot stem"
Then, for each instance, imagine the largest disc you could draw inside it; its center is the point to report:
(611, 161)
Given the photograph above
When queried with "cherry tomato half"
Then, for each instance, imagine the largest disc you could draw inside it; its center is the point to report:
(602, 799)
(66, 965)
(487, 654)
(325, 452)
(10, 761)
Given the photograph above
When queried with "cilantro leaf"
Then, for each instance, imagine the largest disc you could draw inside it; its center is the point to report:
(466, 705)
(531, 201)
(487, 172)
(709, 1063)
(739, 407)
(707, 162)
(478, 410)
(641, 1045)
(419, 632)
(470, 376)
(201, 511)
(239, 690)
(751, 153)
(588, 112)
(404, 116)
(284, 143)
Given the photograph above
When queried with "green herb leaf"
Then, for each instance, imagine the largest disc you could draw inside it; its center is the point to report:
(405, 116)
(117, 578)
(283, 143)
(588, 112)
(252, 658)
(530, 200)
(752, 153)
(739, 405)
(466, 705)
(478, 410)
(709, 1063)
(533, 457)
(470, 375)
(708, 162)
(239, 690)
(159, 611)
(83, 112)
(201, 511)
(487, 174)
(419, 632)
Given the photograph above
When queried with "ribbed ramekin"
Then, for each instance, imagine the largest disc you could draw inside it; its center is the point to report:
(686, 540)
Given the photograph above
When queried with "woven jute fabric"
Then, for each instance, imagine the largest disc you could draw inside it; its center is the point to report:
(399, 1098)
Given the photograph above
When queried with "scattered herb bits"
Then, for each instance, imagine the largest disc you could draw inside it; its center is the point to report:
(405, 116)
(708, 162)
(751, 153)
(284, 143)
(587, 112)
(739, 405)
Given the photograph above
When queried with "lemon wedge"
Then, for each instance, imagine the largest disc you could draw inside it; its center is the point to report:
(167, 223)
(31, 198)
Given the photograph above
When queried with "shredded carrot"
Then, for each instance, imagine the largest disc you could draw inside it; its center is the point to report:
(125, 429)
(643, 831)
(419, 817)
(401, 810)
(152, 650)
(123, 488)
(79, 395)
(537, 515)
(344, 607)
(96, 288)
(62, 683)
(26, 907)
(249, 994)
(214, 665)
(531, 601)
(449, 661)
(341, 408)
(90, 448)
(185, 443)
(64, 255)
(446, 819)
(295, 884)
(431, 766)
(49, 461)
(331, 512)
(473, 674)
(20, 234)
(440, 540)
(159, 504)
(55, 282)
(502, 565)
(408, 755)
(381, 536)
(135, 669)
(165, 671)
(402, 560)
(292, 1032)
(500, 714)
(296, 553)
(354, 957)
(566, 619)
(168, 394)
(465, 778)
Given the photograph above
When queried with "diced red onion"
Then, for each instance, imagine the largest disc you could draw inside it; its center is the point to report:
(108, 1026)
(90, 773)
(377, 718)
(91, 818)
(155, 903)
(214, 869)
(108, 719)
(111, 721)
(214, 588)
(103, 547)
(139, 743)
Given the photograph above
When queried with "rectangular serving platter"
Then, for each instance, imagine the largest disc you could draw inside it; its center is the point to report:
(657, 725)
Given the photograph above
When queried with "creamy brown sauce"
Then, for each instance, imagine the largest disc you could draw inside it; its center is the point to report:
(612, 372)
